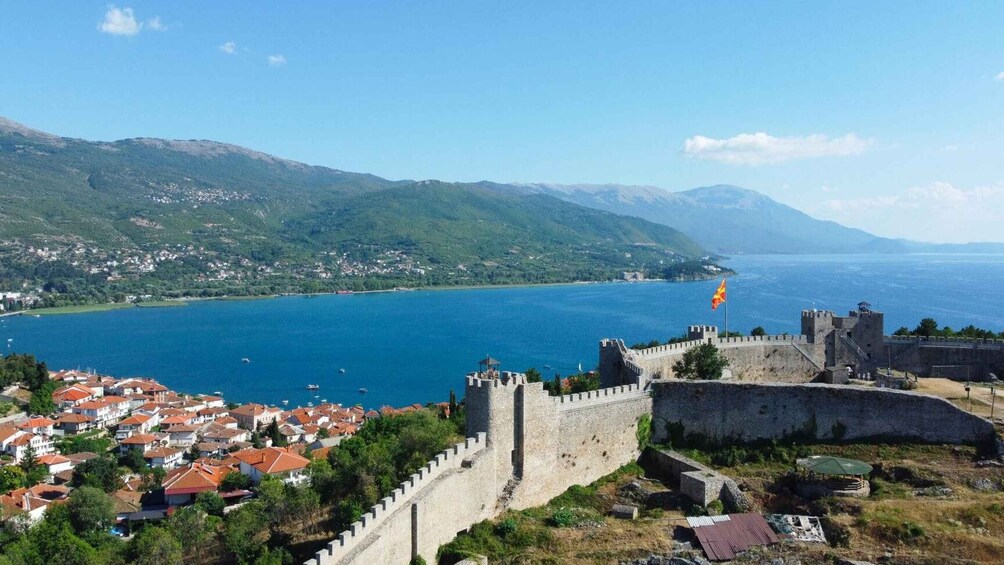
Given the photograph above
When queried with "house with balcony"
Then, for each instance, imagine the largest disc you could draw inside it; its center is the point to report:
(166, 457)
(135, 424)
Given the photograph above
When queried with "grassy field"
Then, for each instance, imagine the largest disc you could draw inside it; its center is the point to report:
(162, 304)
(929, 504)
(82, 309)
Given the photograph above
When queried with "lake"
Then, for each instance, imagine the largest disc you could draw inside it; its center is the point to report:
(407, 347)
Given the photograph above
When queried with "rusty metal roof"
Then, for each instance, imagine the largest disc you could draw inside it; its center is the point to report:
(721, 541)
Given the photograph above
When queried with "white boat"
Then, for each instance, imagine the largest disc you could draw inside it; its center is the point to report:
(285, 402)
(245, 360)
(313, 387)
(363, 391)
(341, 370)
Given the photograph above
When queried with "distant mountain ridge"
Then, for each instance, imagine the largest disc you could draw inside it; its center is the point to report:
(220, 212)
(729, 219)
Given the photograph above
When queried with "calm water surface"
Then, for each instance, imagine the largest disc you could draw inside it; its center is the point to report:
(408, 347)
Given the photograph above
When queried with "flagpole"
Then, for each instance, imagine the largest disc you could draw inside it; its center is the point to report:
(726, 307)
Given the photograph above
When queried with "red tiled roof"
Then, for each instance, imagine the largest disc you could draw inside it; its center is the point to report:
(162, 452)
(92, 405)
(52, 459)
(139, 439)
(135, 420)
(36, 423)
(68, 418)
(272, 459)
(194, 478)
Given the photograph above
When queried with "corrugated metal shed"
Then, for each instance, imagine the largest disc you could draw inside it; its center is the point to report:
(695, 521)
(721, 541)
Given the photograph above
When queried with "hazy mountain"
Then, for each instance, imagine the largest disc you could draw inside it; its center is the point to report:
(150, 193)
(730, 219)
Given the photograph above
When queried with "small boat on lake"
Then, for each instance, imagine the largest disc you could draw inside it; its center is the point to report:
(313, 387)
(341, 370)
(245, 360)
(363, 391)
(285, 402)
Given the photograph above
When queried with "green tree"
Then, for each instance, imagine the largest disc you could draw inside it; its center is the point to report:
(903, 330)
(323, 433)
(242, 531)
(758, 331)
(100, 472)
(51, 543)
(193, 527)
(927, 328)
(533, 375)
(41, 403)
(11, 477)
(701, 362)
(153, 479)
(155, 545)
(90, 510)
(272, 431)
(235, 481)
(210, 503)
(134, 459)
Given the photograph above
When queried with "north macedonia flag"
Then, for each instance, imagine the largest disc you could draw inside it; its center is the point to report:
(719, 296)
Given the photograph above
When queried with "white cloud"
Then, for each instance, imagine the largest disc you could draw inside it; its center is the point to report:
(938, 211)
(230, 48)
(763, 149)
(276, 60)
(120, 22)
(1000, 76)
(155, 24)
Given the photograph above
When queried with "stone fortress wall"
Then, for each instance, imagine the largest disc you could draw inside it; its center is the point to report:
(527, 447)
(789, 358)
(748, 412)
(829, 349)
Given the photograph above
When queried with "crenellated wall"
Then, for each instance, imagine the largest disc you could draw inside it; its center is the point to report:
(528, 447)
(786, 358)
(423, 513)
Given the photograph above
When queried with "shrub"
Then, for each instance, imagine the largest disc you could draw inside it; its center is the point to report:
(563, 518)
(417, 560)
(716, 507)
(506, 526)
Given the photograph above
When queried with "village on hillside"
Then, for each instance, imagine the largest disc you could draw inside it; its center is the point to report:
(175, 446)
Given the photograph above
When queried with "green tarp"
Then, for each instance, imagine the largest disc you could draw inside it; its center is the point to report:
(827, 465)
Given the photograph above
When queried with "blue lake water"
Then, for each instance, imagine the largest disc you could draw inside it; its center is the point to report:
(408, 347)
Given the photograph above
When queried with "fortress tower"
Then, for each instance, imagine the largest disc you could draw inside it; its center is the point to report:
(854, 341)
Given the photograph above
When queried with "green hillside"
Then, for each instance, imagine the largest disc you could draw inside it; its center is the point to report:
(169, 218)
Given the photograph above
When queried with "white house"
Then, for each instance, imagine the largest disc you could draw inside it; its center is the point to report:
(274, 461)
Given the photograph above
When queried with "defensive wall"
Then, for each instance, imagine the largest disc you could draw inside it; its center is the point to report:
(526, 448)
(954, 358)
(787, 358)
(720, 411)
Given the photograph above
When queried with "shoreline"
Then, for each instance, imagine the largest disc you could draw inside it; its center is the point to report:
(181, 302)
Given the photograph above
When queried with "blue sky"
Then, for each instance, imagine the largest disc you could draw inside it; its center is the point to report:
(887, 116)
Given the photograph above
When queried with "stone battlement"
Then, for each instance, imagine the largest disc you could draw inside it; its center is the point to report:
(370, 522)
(817, 314)
(754, 339)
(681, 347)
(504, 379)
(594, 397)
(935, 341)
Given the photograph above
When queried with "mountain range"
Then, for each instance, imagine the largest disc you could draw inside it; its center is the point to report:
(226, 213)
(211, 205)
(729, 219)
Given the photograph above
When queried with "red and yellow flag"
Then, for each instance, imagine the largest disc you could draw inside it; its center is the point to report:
(719, 296)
